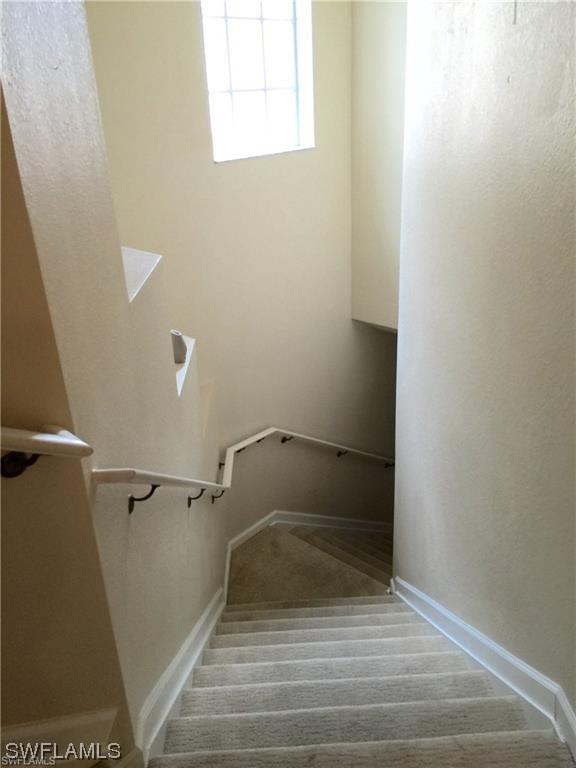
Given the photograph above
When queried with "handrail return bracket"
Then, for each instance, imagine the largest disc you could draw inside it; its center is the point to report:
(15, 463)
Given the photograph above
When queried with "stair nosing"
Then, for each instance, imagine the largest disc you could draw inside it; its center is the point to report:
(547, 734)
(430, 703)
(433, 633)
(479, 673)
(336, 659)
(360, 617)
(331, 601)
(322, 629)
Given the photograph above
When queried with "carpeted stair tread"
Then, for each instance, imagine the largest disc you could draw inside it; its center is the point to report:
(368, 542)
(322, 635)
(318, 622)
(301, 613)
(327, 650)
(322, 543)
(517, 749)
(379, 538)
(340, 682)
(275, 697)
(316, 603)
(330, 669)
(370, 546)
(345, 724)
(382, 561)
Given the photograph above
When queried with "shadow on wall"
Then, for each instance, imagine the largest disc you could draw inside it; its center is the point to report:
(58, 652)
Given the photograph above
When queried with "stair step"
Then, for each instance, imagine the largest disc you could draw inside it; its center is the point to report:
(370, 543)
(336, 634)
(330, 669)
(316, 603)
(345, 724)
(327, 650)
(516, 749)
(382, 561)
(302, 613)
(275, 697)
(379, 574)
(318, 622)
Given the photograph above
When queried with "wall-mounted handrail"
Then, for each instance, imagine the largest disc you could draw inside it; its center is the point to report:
(132, 476)
(24, 446)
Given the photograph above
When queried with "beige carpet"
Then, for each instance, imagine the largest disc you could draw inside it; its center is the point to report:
(277, 564)
(340, 676)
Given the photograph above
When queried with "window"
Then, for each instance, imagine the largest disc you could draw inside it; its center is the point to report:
(259, 71)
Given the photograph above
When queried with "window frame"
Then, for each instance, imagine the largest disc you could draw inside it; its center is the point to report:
(303, 89)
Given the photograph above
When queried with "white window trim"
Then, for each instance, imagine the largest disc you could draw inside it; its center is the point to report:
(304, 95)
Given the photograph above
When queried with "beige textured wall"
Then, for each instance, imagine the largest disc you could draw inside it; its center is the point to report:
(256, 266)
(378, 62)
(257, 251)
(58, 652)
(115, 357)
(485, 475)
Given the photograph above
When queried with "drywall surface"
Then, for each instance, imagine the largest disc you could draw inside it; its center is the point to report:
(257, 251)
(256, 267)
(485, 416)
(116, 356)
(58, 652)
(378, 64)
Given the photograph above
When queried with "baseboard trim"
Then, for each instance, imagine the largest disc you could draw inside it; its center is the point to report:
(537, 689)
(164, 696)
(565, 720)
(283, 517)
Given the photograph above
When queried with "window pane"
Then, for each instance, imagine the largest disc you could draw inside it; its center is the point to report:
(282, 118)
(277, 9)
(222, 123)
(250, 120)
(216, 54)
(245, 40)
(279, 53)
(213, 7)
(246, 8)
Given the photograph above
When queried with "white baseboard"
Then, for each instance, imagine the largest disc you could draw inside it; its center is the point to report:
(281, 517)
(164, 696)
(566, 720)
(537, 689)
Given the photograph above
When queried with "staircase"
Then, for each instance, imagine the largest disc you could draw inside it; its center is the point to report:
(368, 553)
(350, 682)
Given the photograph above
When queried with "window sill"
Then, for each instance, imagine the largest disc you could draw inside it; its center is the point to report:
(265, 153)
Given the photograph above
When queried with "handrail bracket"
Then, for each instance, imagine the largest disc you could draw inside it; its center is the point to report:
(15, 463)
(195, 498)
(133, 499)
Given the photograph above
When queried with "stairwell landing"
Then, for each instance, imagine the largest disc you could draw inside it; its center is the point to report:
(354, 680)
